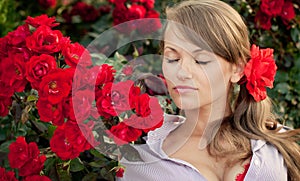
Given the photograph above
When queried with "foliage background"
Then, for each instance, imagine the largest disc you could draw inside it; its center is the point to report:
(284, 39)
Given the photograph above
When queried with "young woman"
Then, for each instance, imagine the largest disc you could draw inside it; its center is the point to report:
(222, 137)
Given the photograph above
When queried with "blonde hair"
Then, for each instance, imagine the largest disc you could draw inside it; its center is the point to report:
(225, 32)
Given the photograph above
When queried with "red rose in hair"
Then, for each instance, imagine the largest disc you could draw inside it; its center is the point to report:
(7, 176)
(41, 20)
(288, 12)
(5, 103)
(260, 72)
(50, 112)
(18, 153)
(36, 178)
(263, 20)
(76, 54)
(56, 85)
(271, 7)
(61, 146)
(45, 40)
(38, 67)
(122, 133)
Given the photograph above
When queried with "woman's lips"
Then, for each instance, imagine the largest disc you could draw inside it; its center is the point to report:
(184, 89)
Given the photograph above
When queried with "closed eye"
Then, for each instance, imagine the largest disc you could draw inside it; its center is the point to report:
(202, 62)
(172, 60)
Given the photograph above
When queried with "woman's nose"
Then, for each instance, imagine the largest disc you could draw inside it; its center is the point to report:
(183, 72)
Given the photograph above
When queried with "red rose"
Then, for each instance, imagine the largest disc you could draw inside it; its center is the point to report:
(47, 3)
(56, 85)
(80, 136)
(117, 2)
(120, 172)
(21, 153)
(149, 4)
(49, 112)
(271, 7)
(5, 91)
(33, 166)
(103, 103)
(116, 98)
(122, 133)
(41, 20)
(7, 176)
(260, 72)
(4, 47)
(13, 72)
(17, 37)
(263, 20)
(76, 54)
(38, 67)
(87, 12)
(18, 153)
(152, 121)
(288, 12)
(104, 9)
(45, 40)
(128, 70)
(120, 14)
(82, 104)
(60, 145)
(142, 108)
(150, 25)
(36, 178)
(136, 12)
(5, 103)
(102, 74)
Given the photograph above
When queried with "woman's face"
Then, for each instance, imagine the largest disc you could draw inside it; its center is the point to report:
(196, 78)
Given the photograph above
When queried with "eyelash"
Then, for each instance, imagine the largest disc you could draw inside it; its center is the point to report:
(197, 61)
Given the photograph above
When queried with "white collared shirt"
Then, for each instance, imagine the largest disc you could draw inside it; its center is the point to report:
(266, 164)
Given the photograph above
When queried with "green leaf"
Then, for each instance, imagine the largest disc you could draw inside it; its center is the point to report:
(51, 130)
(90, 177)
(98, 163)
(31, 98)
(4, 146)
(282, 88)
(76, 165)
(49, 165)
(96, 153)
(295, 34)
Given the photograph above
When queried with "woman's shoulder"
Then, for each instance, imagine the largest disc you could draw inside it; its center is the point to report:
(266, 161)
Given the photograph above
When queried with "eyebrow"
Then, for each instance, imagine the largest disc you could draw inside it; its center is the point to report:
(198, 50)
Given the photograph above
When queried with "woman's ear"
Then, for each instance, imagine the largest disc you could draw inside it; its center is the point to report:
(237, 72)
